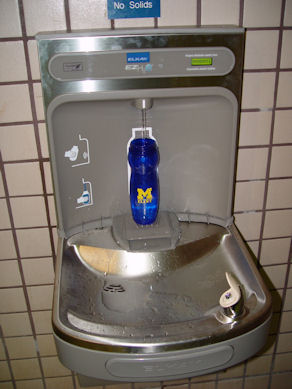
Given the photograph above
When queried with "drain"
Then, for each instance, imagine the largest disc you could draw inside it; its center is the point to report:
(114, 288)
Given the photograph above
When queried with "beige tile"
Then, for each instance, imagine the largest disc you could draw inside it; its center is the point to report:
(258, 90)
(14, 66)
(146, 385)
(282, 128)
(290, 280)
(232, 372)
(254, 247)
(12, 300)
(275, 251)
(256, 382)
(52, 209)
(286, 54)
(2, 351)
(252, 164)
(175, 14)
(21, 347)
(274, 276)
(29, 211)
(23, 179)
(38, 99)
(262, 13)
(34, 242)
(42, 322)
(38, 271)
(43, 140)
(48, 177)
(47, 16)
(284, 97)
(4, 371)
(286, 322)
(255, 128)
(26, 368)
(53, 367)
(277, 298)
(6, 385)
(229, 384)
(60, 383)
(278, 224)
(15, 324)
(9, 12)
(261, 49)
(249, 224)
(281, 163)
(18, 143)
(9, 274)
(288, 13)
(46, 345)
(14, 103)
(259, 365)
(129, 386)
(2, 191)
(249, 195)
(283, 362)
(280, 194)
(4, 215)
(34, 59)
(285, 343)
(138, 22)
(40, 297)
(88, 14)
(7, 245)
(223, 12)
(29, 384)
(288, 300)
(281, 381)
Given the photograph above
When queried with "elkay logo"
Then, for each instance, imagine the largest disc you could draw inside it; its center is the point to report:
(123, 9)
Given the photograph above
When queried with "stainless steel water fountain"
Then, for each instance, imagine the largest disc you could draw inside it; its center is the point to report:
(179, 298)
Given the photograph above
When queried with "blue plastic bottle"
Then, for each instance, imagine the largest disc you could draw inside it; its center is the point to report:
(144, 185)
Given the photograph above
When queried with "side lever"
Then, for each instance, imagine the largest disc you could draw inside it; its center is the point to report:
(232, 299)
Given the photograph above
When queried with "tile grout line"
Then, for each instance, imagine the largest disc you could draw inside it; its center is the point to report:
(7, 358)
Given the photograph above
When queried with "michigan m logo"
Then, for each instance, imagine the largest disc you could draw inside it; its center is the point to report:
(144, 197)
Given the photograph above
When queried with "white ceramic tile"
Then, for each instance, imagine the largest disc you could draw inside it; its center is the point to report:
(9, 274)
(15, 324)
(261, 49)
(259, 365)
(284, 97)
(276, 276)
(40, 297)
(249, 224)
(252, 164)
(53, 367)
(278, 224)
(7, 245)
(286, 54)
(29, 384)
(134, 22)
(12, 300)
(255, 128)
(4, 215)
(220, 12)
(262, 13)
(275, 251)
(285, 345)
(249, 196)
(52, 208)
(21, 347)
(38, 271)
(281, 163)
(62, 383)
(283, 362)
(9, 19)
(23, 179)
(88, 14)
(26, 368)
(14, 103)
(282, 127)
(34, 59)
(38, 98)
(34, 242)
(29, 211)
(258, 90)
(42, 322)
(2, 191)
(47, 16)
(280, 194)
(256, 382)
(18, 143)
(4, 371)
(48, 177)
(43, 140)
(46, 345)
(174, 13)
(288, 13)
(14, 66)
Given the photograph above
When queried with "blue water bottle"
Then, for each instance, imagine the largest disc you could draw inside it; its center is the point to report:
(143, 158)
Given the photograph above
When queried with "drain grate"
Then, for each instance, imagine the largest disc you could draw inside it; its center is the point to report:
(113, 288)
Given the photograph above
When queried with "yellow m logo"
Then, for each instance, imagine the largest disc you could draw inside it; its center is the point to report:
(144, 197)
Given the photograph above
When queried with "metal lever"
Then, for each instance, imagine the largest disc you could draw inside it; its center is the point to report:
(232, 299)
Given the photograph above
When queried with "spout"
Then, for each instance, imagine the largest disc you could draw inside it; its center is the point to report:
(143, 104)
(232, 299)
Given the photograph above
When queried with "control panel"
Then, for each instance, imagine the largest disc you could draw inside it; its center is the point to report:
(170, 62)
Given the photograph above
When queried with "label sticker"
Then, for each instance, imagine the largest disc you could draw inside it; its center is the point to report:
(125, 9)
(138, 57)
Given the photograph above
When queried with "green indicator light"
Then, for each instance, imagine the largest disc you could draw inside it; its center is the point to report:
(201, 61)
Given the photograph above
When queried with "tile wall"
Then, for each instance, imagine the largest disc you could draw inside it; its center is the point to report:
(263, 202)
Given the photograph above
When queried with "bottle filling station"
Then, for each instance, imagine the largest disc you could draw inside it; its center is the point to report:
(153, 280)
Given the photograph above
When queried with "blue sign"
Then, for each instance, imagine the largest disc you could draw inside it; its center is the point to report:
(138, 57)
(125, 9)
